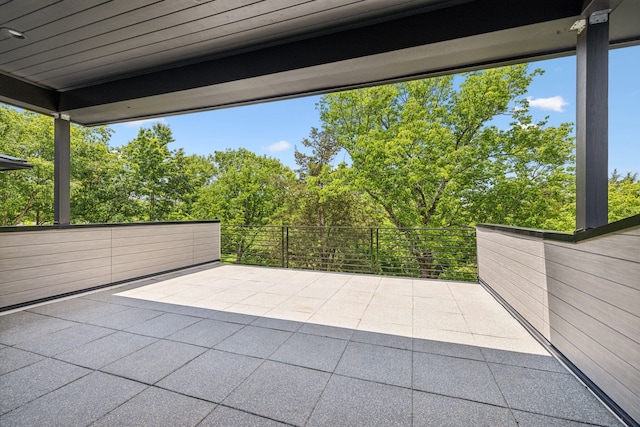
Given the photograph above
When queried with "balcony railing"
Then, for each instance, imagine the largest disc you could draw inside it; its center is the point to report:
(435, 253)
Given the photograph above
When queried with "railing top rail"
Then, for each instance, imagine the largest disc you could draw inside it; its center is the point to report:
(465, 228)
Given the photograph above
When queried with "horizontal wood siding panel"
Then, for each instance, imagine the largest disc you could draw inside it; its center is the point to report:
(594, 295)
(13, 252)
(587, 332)
(532, 310)
(525, 278)
(528, 244)
(598, 265)
(623, 246)
(35, 238)
(627, 298)
(525, 258)
(135, 248)
(606, 312)
(42, 272)
(158, 255)
(142, 269)
(101, 276)
(620, 394)
(92, 271)
(156, 231)
(38, 264)
(514, 267)
(23, 266)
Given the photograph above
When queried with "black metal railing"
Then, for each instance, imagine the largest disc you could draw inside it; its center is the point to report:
(436, 253)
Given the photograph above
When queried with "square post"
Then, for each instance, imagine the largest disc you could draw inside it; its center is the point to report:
(592, 123)
(62, 171)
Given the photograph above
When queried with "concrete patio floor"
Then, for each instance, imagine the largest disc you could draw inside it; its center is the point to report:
(249, 346)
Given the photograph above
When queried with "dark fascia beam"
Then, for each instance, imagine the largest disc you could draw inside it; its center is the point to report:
(26, 95)
(464, 20)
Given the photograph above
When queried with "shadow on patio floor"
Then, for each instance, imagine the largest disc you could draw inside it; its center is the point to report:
(282, 347)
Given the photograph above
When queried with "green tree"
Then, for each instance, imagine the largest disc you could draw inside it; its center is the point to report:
(624, 196)
(164, 183)
(326, 196)
(428, 153)
(26, 196)
(246, 189)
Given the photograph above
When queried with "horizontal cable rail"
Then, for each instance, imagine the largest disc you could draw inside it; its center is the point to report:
(434, 253)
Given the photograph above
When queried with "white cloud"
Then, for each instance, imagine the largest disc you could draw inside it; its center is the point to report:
(139, 123)
(554, 103)
(278, 146)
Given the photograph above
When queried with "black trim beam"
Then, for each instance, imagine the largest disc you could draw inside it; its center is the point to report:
(26, 95)
(62, 171)
(456, 22)
(592, 124)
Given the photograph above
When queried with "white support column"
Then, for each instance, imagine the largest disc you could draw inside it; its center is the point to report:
(62, 171)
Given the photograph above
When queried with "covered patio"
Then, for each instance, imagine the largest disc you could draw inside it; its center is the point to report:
(238, 345)
(242, 346)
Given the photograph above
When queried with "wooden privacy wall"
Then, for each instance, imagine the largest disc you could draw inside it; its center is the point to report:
(42, 262)
(514, 266)
(589, 291)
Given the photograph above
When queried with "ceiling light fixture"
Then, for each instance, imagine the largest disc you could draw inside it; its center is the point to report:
(13, 33)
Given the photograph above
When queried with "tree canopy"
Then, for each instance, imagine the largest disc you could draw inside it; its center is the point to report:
(441, 152)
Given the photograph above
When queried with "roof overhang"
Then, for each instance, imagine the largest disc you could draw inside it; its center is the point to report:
(443, 38)
(8, 163)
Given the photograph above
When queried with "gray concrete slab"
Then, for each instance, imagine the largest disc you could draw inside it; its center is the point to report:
(106, 350)
(78, 309)
(157, 407)
(525, 360)
(448, 349)
(13, 358)
(77, 404)
(127, 318)
(154, 362)
(527, 419)
(280, 324)
(206, 332)
(311, 351)
(376, 363)
(24, 326)
(212, 375)
(437, 410)
(254, 341)
(65, 339)
(455, 377)
(352, 402)
(386, 340)
(559, 395)
(327, 331)
(163, 325)
(281, 392)
(26, 384)
(229, 417)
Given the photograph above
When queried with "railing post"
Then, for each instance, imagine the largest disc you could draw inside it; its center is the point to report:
(282, 246)
(371, 250)
(378, 250)
(287, 247)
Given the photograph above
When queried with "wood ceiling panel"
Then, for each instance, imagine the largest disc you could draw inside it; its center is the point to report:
(170, 46)
(66, 12)
(105, 22)
(14, 9)
(129, 41)
(220, 35)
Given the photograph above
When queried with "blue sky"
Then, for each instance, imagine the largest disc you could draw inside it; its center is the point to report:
(275, 128)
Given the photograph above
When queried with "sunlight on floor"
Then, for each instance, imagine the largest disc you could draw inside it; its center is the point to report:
(462, 313)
